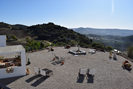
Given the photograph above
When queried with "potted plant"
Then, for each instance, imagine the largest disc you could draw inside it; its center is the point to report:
(110, 54)
(27, 71)
(128, 66)
(18, 59)
(1, 59)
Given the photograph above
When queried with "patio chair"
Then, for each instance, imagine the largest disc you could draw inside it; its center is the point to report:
(37, 70)
(92, 51)
(91, 72)
(46, 72)
(83, 71)
(43, 72)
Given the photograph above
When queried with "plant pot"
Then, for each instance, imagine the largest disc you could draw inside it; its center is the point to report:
(27, 71)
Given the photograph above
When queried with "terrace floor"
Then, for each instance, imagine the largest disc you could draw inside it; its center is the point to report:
(109, 72)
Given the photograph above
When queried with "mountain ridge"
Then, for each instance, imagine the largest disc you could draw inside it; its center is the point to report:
(98, 31)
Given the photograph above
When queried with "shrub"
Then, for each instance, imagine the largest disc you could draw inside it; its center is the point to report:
(73, 42)
(130, 51)
(56, 44)
(109, 48)
(32, 48)
(47, 45)
(42, 45)
(28, 39)
(97, 45)
(36, 47)
(14, 37)
(26, 48)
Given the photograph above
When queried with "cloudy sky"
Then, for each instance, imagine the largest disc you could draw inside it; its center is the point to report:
(69, 13)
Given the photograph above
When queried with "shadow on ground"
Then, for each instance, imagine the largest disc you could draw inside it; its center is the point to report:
(129, 70)
(115, 59)
(80, 78)
(32, 78)
(39, 81)
(90, 78)
(7, 81)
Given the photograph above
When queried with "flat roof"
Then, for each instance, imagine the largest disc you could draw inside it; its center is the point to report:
(7, 49)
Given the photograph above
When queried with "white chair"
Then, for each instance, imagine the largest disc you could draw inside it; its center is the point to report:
(37, 70)
(92, 51)
(43, 72)
(92, 72)
(83, 71)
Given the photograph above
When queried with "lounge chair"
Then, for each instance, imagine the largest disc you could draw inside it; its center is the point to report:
(59, 60)
(43, 72)
(83, 71)
(91, 72)
(46, 72)
(92, 51)
(37, 70)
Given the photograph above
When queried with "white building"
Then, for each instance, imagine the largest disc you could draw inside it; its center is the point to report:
(2, 40)
(17, 70)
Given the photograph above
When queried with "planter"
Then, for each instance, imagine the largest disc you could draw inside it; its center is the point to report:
(17, 60)
(62, 62)
(27, 71)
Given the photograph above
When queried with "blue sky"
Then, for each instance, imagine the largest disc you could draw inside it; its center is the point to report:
(69, 13)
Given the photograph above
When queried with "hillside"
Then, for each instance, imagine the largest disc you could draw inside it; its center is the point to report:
(18, 30)
(113, 32)
(50, 32)
(56, 34)
(118, 42)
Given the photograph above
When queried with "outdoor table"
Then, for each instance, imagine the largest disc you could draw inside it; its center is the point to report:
(48, 72)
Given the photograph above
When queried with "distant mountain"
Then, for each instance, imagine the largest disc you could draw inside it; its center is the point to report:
(12, 27)
(50, 32)
(21, 26)
(114, 32)
(56, 34)
(17, 30)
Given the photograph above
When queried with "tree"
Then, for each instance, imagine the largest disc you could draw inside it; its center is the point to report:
(28, 39)
(109, 48)
(130, 51)
(73, 42)
(97, 45)
(42, 45)
(14, 37)
(26, 48)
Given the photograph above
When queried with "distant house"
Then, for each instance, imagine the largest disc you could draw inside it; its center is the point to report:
(2, 40)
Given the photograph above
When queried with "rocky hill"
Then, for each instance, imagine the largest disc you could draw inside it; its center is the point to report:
(50, 32)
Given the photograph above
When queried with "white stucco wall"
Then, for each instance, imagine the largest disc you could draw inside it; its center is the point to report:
(18, 71)
(2, 40)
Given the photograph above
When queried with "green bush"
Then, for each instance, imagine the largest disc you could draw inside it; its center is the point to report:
(73, 43)
(32, 47)
(130, 51)
(42, 45)
(109, 48)
(28, 39)
(47, 45)
(97, 45)
(14, 37)
(26, 48)
(56, 44)
(36, 47)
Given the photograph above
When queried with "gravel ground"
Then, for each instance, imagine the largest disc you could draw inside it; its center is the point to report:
(109, 73)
